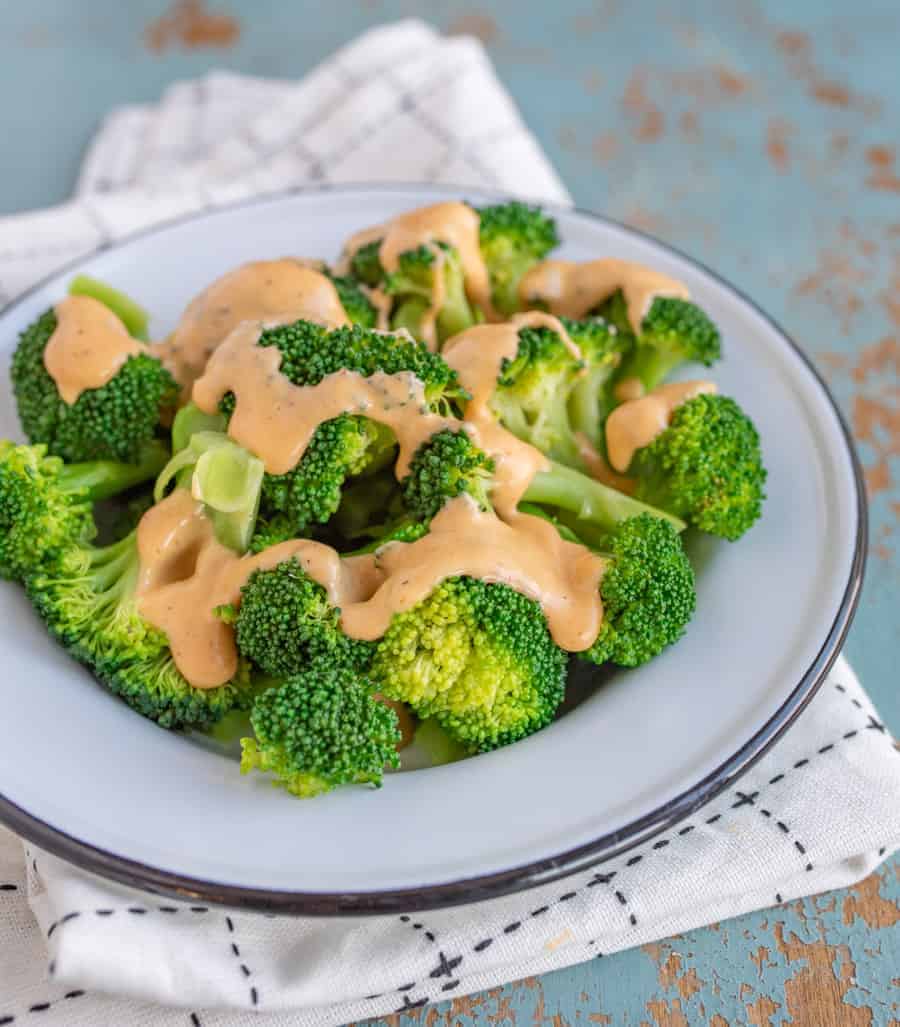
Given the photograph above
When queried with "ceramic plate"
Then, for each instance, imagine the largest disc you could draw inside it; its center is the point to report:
(84, 777)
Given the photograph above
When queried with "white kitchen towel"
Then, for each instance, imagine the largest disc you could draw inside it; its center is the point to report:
(819, 811)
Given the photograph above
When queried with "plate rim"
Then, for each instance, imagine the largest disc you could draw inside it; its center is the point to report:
(481, 887)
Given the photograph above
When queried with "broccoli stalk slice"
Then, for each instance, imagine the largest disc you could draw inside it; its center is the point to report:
(225, 477)
(130, 313)
(189, 420)
(587, 499)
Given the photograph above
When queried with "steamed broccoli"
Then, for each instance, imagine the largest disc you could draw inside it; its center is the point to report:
(647, 591)
(532, 393)
(673, 332)
(476, 657)
(285, 624)
(319, 730)
(513, 237)
(347, 445)
(413, 285)
(446, 466)
(46, 505)
(356, 304)
(113, 422)
(87, 597)
(706, 467)
(602, 348)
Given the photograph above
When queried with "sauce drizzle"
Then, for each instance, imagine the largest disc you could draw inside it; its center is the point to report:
(283, 290)
(637, 422)
(573, 290)
(87, 347)
(454, 224)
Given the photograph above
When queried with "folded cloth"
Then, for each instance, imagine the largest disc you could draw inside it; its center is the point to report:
(819, 811)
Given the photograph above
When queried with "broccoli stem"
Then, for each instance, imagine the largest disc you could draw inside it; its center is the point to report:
(587, 405)
(650, 364)
(100, 479)
(131, 314)
(588, 499)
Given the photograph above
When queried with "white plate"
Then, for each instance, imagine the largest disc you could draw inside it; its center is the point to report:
(85, 777)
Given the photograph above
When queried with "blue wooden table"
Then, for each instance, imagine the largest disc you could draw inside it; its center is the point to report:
(761, 137)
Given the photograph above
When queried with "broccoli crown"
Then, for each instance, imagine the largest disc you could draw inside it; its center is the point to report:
(310, 493)
(38, 518)
(271, 531)
(347, 445)
(647, 591)
(310, 352)
(113, 422)
(705, 467)
(319, 730)
(413, 274)
(476, 657)
(46, 506)
(513, 237)
(286, 624)
(365, 264)
(354, 301)
(602, 348)
(87, 600)
(446, 466)
(674, 332)
(532, 393)
(413, 285)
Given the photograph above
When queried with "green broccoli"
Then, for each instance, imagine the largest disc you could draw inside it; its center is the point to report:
(285, 624)
(87, 598)
(347, 445)
(130, 313)
(113, 422)
(412, 285)
(706, 467)
(356, 304)
(365, 264)
(647, 591)
(673, 332)
(532, 393)
(514, 236)
(46, 505)
(602, 349)
(319, 730)
(446, 466)
(476, 657)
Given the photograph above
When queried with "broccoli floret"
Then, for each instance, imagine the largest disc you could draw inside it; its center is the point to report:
(602, 348)
(319, 730)
(346, 445)
(514, 236)
(46, 506)
(113, 422)
(674, 332)
(356, 304)
(647, 591)
(476, 657)
(365, 264)
(370, 506)
(285, 624)
(413, 284)
(88, 600)
(706, 467)
(311, 492)
(446, 466)
(532, 393)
